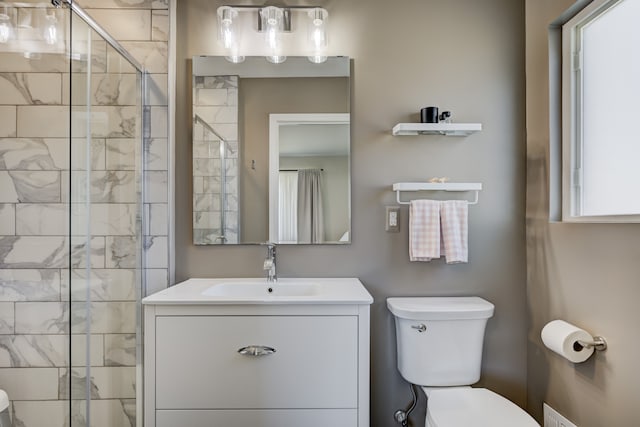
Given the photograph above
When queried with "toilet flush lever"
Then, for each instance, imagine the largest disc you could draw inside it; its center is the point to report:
(256, 350)
(421, 327)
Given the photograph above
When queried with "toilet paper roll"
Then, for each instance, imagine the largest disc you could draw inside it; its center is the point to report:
(562, 338)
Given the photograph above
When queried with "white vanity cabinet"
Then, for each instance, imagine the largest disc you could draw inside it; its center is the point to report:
(303, 365)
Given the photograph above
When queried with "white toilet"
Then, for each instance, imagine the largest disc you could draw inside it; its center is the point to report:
(439, 344)
(4, 410)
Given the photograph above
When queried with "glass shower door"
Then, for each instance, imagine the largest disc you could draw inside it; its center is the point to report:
(105, 204)
(70, 220)
(210, 194)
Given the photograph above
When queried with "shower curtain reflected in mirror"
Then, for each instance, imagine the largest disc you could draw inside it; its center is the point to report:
(310, 206)
(301, 208)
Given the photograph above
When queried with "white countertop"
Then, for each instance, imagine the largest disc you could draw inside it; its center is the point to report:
(203, 291)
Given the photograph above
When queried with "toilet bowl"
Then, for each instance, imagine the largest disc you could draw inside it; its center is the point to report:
(439, 344)
(4, 410)
(478, 407)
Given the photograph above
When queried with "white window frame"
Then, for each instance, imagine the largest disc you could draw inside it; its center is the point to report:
(572, 114)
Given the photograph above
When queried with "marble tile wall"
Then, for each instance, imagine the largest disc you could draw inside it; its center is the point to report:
(43, 279)
(216, 102)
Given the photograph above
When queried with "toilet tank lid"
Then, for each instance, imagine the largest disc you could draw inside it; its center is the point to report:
(440, 308)
(4, 400)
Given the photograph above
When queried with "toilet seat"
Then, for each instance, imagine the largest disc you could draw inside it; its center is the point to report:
(478, 407)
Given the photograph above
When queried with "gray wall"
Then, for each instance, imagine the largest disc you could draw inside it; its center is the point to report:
(586, 274)
(463, 55)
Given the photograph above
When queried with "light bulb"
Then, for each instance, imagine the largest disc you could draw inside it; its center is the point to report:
(228, 38)
(318, 35)
(271, 36)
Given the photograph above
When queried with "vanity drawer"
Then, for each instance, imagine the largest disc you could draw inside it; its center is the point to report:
(315, 364)
(258, 417)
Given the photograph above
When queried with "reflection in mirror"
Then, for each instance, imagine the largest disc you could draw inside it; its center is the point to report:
(309, 174)
(271, 151)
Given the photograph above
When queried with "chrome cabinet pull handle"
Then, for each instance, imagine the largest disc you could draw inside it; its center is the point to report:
(421, 327)
(256, 350)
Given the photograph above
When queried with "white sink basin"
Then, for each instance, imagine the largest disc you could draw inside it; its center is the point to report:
(261, 290)
(256, 291)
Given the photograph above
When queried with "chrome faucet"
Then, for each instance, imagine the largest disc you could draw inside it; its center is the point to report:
(270, 263)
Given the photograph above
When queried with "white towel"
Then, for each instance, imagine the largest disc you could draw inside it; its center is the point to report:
(424, 230)
(453, 221)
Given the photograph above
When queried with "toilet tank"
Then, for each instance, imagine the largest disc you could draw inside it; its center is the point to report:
(439, 339)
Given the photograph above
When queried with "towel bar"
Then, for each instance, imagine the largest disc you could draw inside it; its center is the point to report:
(436, 186)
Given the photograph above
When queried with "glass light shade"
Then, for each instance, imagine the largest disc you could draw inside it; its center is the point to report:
(317, 36)
(317, 59)
(7, 26)
(50, 31)
(272, 17)
(236, 59)
(6, 29)
(276, 59)
(227, 27)
(317, 28)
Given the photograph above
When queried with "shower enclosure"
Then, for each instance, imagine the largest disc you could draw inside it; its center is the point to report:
(215, 160)
(72, 131)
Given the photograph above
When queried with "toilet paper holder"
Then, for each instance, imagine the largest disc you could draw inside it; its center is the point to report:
(571, 342)
(598, 343)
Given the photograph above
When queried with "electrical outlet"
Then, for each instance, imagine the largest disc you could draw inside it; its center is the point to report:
(553, 419)
(392, 219)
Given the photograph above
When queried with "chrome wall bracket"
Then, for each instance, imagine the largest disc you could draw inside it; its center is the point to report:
(598, 343)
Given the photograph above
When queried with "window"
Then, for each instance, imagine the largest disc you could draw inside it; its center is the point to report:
(601, 113)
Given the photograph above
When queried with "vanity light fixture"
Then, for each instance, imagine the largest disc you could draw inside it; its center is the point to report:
(273, 22)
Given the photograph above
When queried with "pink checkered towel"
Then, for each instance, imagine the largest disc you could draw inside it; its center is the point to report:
(453, 222)
(438, 228)
(424, 230)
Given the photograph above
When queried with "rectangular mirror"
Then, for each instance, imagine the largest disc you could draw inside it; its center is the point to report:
(271, 151)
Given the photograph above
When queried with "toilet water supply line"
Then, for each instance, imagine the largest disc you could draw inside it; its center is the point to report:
(402, 417)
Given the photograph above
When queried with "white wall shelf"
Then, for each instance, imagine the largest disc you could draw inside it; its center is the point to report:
(448, 129)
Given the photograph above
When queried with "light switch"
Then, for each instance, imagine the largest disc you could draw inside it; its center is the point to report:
(392, 224)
